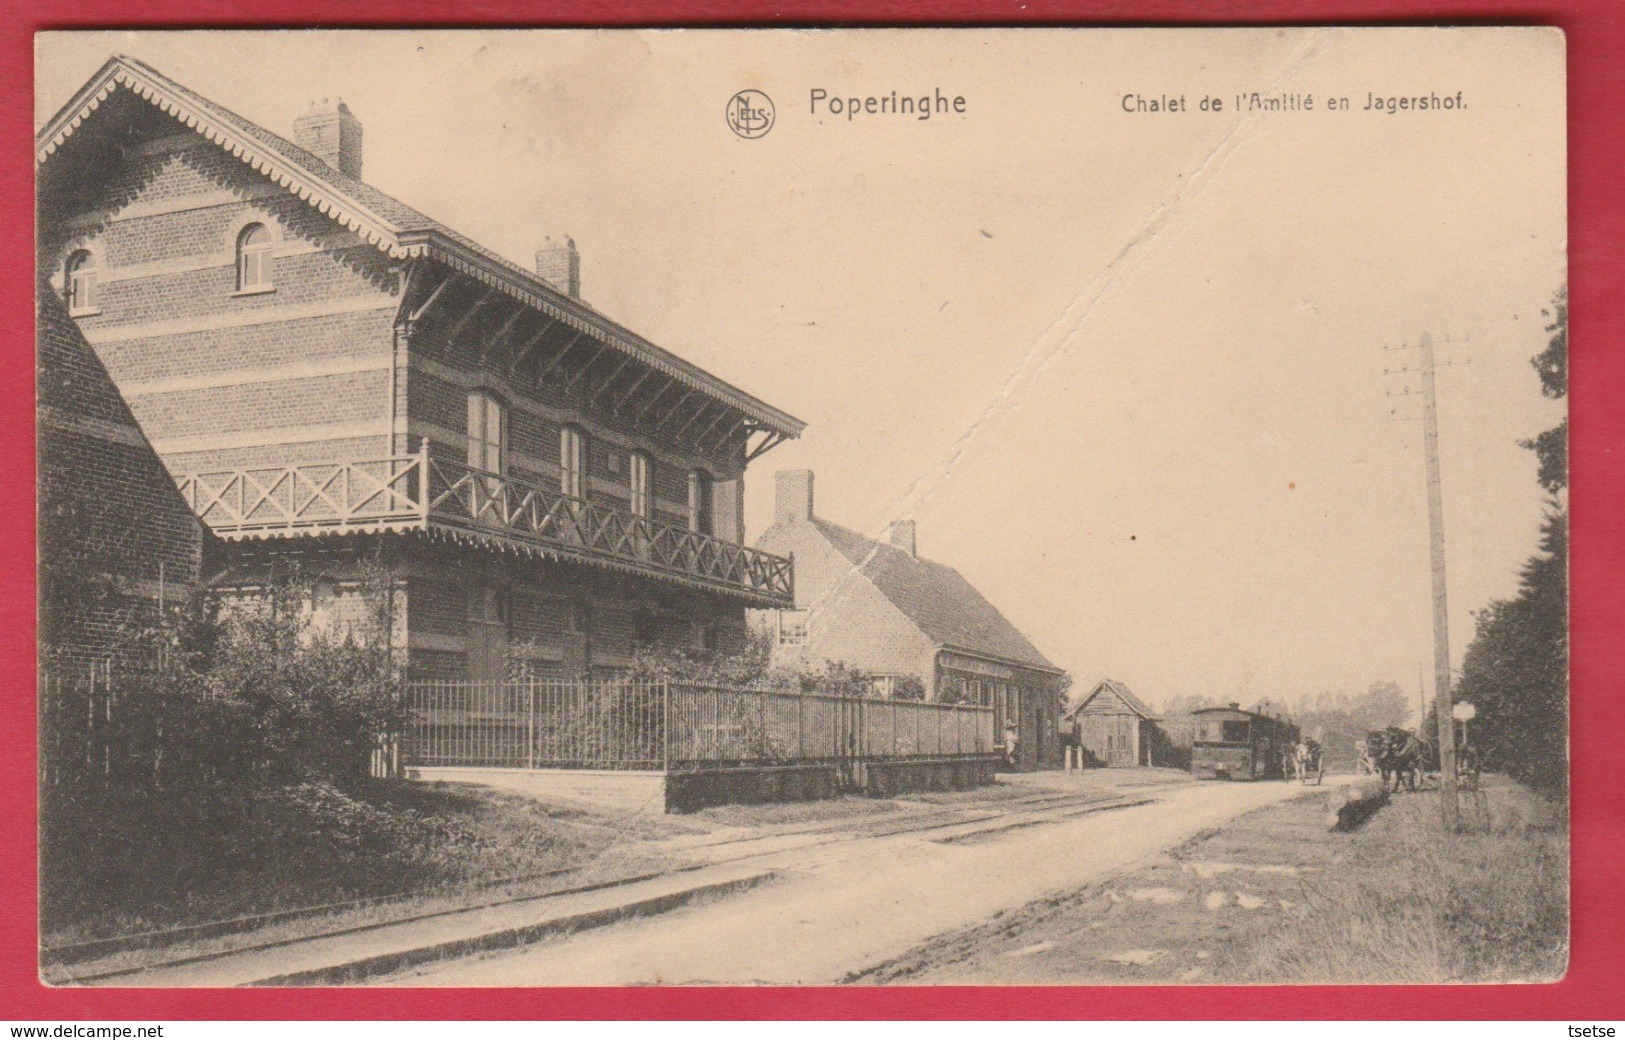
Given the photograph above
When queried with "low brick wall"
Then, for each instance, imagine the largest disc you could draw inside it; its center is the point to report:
(958, 773)
(749, 785)
(689, 791)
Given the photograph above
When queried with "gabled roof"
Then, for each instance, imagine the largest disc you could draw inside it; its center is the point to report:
(1118, 690)
(936, 598)
(382, 220)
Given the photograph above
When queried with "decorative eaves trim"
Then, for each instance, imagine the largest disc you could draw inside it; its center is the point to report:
(372, 228)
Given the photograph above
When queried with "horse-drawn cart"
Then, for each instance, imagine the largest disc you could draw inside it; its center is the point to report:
(1399, 755)
(1309, 760)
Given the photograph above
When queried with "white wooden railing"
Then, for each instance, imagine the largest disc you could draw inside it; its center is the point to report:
(406, 492)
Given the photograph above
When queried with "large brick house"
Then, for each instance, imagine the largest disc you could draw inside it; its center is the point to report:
(117, 539)
(338, 382)
(917, 626)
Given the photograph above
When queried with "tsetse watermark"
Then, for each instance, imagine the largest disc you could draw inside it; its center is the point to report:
(896, 103)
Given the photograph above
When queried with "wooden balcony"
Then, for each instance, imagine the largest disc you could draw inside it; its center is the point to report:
(420, 493)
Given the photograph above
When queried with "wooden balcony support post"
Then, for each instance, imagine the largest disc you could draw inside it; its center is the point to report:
(424, 461)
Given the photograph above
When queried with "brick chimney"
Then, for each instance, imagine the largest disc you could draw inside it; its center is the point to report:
(559, 265)
(332, 134)
(901, 534)
(793, 496)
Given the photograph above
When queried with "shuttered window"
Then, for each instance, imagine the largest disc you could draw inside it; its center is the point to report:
(699, 502)
(642, 485)
(572, 461)
(486, 433)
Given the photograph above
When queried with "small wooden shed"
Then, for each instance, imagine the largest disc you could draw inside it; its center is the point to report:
(1114, 726)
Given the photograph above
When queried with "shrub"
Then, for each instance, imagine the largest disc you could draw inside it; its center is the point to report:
(908, 688)
(231, 742)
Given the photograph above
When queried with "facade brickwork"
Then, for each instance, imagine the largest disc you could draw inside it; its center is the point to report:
(326, 346)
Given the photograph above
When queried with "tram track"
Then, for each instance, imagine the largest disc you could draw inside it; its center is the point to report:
(950, 824)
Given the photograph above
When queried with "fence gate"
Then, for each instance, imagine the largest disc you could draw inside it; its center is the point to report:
(849, 743)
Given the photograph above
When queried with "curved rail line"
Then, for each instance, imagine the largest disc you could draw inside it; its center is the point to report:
(1014, 813)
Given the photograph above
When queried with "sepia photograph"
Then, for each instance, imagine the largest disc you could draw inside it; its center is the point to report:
(748, 507)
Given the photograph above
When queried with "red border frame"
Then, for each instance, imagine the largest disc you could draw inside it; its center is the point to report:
(1592, 989)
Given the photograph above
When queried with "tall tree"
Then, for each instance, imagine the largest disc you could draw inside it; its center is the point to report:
(1516, 671)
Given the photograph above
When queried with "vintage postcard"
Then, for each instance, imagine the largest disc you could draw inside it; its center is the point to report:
(557, 508)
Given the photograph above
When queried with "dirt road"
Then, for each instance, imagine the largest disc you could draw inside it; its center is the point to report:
(840, 907)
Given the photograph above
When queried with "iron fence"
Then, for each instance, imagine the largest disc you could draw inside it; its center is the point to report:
(80, 723)
(656, 725)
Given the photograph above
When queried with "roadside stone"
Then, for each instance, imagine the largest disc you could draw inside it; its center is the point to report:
(1138, 958)
(1215, 900)
(1156, 895)
(1249, 901)
(1028, 951)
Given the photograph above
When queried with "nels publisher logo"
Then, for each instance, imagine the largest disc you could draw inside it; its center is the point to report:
(750, 114)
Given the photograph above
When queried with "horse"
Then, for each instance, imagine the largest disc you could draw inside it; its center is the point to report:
(1306, 759)
(1399, 755)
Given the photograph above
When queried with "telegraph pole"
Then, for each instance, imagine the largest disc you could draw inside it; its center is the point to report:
(1421, 696)
(1441, 615)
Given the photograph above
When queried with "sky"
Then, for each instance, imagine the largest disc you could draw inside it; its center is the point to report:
(1126, 370)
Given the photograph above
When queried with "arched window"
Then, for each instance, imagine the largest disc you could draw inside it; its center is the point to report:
(79, 282)
(699, 501)
(641, 472)
(572, 461)
(254, 258)
(487, 433)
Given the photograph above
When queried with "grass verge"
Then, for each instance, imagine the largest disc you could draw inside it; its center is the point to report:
(1275, 898)
(428, 841)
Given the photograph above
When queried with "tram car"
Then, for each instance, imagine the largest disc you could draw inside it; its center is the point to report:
(1232, 744)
